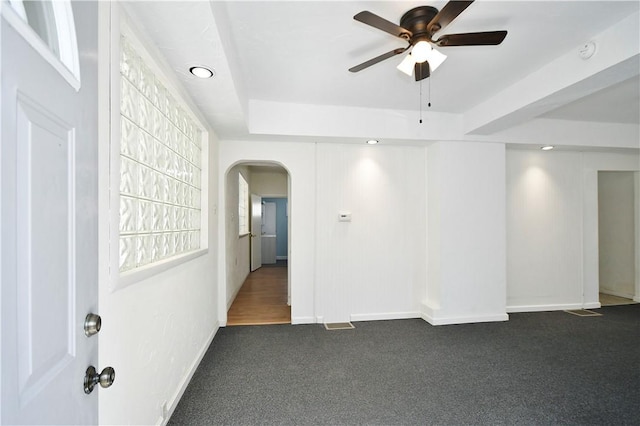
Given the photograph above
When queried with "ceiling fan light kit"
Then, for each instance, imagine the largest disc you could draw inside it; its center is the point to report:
(418, 27)
(421, 51)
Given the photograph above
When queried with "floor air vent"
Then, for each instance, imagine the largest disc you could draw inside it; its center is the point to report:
(583, 313)
(339, 326)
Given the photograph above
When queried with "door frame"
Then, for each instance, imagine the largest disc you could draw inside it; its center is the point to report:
(590, 243)
(225, 255)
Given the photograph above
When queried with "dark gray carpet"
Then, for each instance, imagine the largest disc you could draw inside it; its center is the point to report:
(537, 368)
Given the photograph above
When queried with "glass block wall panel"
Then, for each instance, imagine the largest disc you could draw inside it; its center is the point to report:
(160, 168)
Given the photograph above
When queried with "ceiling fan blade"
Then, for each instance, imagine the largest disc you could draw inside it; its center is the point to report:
(375, 21)
(422, 70)
(378, 59)
(447, 14)
(489, 38)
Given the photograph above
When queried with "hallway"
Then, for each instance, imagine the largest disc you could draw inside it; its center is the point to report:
(262, 299)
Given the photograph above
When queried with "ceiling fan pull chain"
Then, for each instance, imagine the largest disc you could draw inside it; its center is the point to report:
(429, 104)
(420, 101)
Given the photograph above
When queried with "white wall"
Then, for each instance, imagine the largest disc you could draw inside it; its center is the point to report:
(299, 161)
(269, 183)
(616, 232)
(238, 260)
(552, 227)
(154, 332)
(637, 227)
(466, 233)
(372, 267)
(544, 231)
(507, 232)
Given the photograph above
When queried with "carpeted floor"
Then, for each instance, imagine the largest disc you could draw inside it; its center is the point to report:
(537, 368)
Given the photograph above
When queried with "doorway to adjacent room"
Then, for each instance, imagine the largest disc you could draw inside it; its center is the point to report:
(617, 237)
(262, 291)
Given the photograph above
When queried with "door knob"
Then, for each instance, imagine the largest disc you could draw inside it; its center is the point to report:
(92, 378)
(92, 324)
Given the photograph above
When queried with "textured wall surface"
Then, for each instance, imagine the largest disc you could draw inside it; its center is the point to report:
(552, 227)
(373, 266)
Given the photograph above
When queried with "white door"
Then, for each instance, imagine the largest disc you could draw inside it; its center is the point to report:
(49, 213)
(256, 232)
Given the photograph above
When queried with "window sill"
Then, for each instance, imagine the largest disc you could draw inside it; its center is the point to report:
(135, 275)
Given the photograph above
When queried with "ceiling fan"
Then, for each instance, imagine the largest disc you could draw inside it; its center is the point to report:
(417, 27)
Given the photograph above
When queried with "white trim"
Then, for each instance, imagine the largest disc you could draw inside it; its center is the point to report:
(187, 378)
(282, 257)
(385, 316)
(550, 307)
(233, 296)
(18, 7)
(464, 320)
(306, 320)
(67, 41)
(33, 39)
(3, 231)
(143, 272)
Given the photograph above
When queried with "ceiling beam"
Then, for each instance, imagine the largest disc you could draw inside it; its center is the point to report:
(566, 79)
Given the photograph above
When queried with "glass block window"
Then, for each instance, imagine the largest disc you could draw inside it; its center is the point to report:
(160, 168)
(243, 205)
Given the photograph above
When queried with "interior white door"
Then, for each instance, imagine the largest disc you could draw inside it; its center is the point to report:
(256, 232)
(49, 213)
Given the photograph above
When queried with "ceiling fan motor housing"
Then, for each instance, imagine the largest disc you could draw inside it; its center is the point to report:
(417, 21)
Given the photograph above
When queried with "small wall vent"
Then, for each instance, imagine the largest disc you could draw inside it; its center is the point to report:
(583, 313)
(339, 326)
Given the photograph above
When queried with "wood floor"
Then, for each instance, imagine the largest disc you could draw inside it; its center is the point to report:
(262, 299)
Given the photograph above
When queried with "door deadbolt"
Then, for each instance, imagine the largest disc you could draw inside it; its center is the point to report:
(92, 324)
(92, 378)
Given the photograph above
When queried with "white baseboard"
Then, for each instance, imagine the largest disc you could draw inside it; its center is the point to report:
(384, 316)
(544, 308)
(303, 320)
(173, 403)
(235, 293)
(592, 305)
(282, 257)
(463, 320)
(636, 299)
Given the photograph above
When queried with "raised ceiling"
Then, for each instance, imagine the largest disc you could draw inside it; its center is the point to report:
(295, 55)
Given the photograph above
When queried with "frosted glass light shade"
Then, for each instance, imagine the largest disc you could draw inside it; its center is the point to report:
(407, 65)
(421, 51)
(435, 59)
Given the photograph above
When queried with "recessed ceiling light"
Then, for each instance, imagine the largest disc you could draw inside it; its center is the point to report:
(547, 147)
(201, 72)
(372, 141)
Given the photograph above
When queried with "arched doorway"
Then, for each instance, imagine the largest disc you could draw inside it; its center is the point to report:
(257, 244)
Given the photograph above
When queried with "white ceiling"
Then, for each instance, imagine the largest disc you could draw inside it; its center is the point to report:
(298, 52)
(618, 103)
